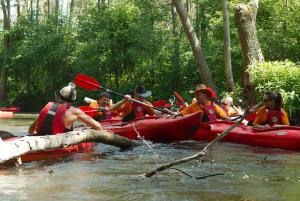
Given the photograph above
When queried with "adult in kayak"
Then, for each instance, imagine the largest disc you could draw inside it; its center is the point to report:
(59, 117)
(211, 111)
(130, 110)
(103, 103)
(229, 108)
(271, 113)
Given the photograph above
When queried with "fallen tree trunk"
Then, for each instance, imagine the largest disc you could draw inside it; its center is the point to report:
(24, 145)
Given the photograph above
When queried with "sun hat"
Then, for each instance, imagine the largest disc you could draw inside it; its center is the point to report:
(204, 88)
(141, 91)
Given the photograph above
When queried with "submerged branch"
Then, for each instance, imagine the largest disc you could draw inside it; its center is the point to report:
(205, 149)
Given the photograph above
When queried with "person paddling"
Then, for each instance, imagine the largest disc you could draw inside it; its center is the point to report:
(211, 111)
(59, 117)
(103, 103)
(271, 114)
(131, 110)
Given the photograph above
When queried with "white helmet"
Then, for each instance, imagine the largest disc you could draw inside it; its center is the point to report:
(68, 93)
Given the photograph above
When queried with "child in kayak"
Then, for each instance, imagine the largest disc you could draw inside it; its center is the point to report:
(271, 114)
(229, 108)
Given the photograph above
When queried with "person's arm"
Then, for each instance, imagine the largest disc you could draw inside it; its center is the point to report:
(73, 114)
(32, 128)
(260, 119)
(120, 103)
(186, 110)
(150, 111)
(239, 112)
(221, 113)
(284, 118)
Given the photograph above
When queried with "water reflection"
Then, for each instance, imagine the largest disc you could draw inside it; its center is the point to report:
(251, 173)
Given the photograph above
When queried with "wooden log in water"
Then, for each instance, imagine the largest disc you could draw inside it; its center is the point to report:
(24, 145)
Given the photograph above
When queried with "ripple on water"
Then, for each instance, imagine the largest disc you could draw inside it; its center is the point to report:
(250, 173)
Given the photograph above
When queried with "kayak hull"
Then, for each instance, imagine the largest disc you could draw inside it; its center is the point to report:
(157, 129)
(286, 137)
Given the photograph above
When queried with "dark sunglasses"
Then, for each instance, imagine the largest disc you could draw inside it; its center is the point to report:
(266, 100)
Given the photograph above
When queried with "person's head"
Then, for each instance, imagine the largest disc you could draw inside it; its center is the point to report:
(104, 99)
(140, 93)
(68, 93)
(227, 100)
(272, 101)
(202, 93)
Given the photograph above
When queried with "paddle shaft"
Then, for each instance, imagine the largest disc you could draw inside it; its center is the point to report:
(137, 101)
(90, 83)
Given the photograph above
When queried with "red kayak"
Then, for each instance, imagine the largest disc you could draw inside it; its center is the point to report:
(55, 153)
(157, 129)
(10, 109)
(286, 137)
(6, 115)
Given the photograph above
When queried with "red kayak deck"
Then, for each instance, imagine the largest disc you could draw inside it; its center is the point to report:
(55, 153)
(286, 137)
(157, 129)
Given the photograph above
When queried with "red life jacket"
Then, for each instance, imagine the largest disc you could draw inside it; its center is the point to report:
(51, 119)
(138, 109)
(210, 113)
(107, 114)
(274, 117)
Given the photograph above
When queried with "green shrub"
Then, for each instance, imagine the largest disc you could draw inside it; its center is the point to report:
(282, 77)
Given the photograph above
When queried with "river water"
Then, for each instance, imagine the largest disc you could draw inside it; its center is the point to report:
(250, 173)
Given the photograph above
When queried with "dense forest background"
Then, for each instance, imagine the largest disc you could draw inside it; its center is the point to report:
(122, 43)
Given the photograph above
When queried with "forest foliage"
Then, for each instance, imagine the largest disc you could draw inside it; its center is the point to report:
(122, 43)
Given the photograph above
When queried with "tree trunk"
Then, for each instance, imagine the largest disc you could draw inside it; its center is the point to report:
(227, 52)
(18, 9)
(6, 27)
(16, 148)
(198, 22)
(245, 15)
(48, 9)
(98, 5)
(31, 10)
(37, 11)
(56, 11)
(25, 7)
(205, 73)
(71, 12)
(176, 54)
(8, 13)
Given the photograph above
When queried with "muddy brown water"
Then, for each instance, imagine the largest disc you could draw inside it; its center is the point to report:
(250, 173)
